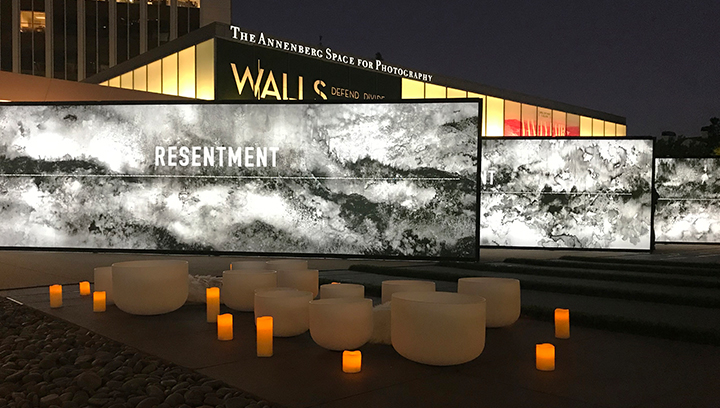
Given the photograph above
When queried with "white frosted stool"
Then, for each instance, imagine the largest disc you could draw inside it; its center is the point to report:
(300, 279)
(342, 290)
(238, 287)
(103, 282)
(437, 328)
(288, 307)
(243, 265)
(391, 286)
(341, 323)
(502, 296)
(150, 287)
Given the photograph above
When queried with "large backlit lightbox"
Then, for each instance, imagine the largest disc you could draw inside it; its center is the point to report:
(363, 179)
(688, 196)
(566, 193)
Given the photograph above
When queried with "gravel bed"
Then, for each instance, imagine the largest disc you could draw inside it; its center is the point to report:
(47, 362)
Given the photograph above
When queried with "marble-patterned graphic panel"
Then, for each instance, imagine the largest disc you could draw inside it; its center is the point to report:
(688, 206)
(375, 179)
(566, 193)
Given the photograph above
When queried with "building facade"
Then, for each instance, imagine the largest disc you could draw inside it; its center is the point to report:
(75, 39)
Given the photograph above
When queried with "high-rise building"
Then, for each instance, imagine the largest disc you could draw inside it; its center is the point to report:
(76, 39)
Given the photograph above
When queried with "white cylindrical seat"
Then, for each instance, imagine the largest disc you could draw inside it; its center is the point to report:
(437, 328)
(342, 290)
(502, 296)
(341, 323)
(103, 282)
(238, 287)
(289, 309)
(391, 286)
(300, 279)
(245, 265)
(150, 287)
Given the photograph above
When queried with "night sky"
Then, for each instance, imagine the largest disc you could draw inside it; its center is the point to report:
(655, 62)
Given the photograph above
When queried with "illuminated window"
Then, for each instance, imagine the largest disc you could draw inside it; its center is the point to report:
(573, 125)
(585, 126)
(170, 75)
(186, 72)
(412, 89)
(205, 70)
(126, 80)
(154, 77)
(559, 128)
(598, 128)
(483, 114)
(105, 83)
(140, 79)
(529, 120)
(544, 122)
(609, 129)
(115, 82)
(512, 118)
(32, 21)
(494, 116)
(456, 93)
(434, 91)
(621, 130)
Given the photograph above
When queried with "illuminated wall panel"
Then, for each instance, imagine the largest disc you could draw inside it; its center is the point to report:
(170, 75)
(544, 122)
(512, 119)
(434, 91)
(205, 62)
(162, 177)
(566, 193)
(621, 130)
(688, 207)
(586, 126)
(115, 82)
(494, 116)
(154, 77)
(126, 80)
(412, 89)
(598, 127)
(529, 120)
(456, 93)
(140, 79)
(186, 72)
(559, 124)
(483, 124)
(609, 129)
(573, 125)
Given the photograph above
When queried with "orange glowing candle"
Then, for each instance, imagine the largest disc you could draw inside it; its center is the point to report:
(352, 361)
(99, 301)
(562, 323)
(212, 298)
(55, 296)
(545, 357)
(225, 326)
(84, 288)
(264, 327)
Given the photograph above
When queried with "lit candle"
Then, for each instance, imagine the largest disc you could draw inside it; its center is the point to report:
(545, 357)
(84, 288)
(212, 298)
(264, 327)
(562, 323)
(98, 301)
(225, 326)
(55, 296)
(352, 361)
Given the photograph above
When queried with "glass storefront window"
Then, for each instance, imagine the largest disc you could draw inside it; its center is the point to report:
(609, 129)
(585, 126)
(512, 119)
(170, 75)
(412, 89)
(205, 70)
(529, 120)
(186, 72)
(559, 125)
(456, 93)
(621, 130)
(544, 122)
(573, 125)
(154, 77)
(434, 91)
(140, 79)
(598, 128)
(494, 116)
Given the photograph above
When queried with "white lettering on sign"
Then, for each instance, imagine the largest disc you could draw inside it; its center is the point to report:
(205, 156)
(327, 54)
